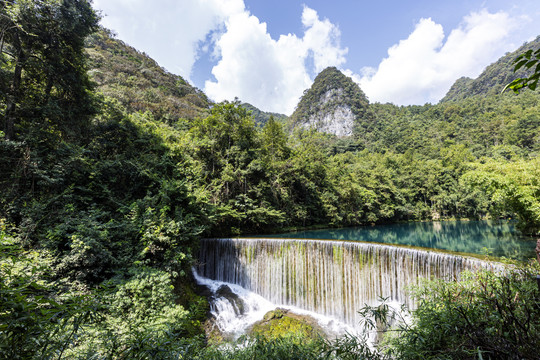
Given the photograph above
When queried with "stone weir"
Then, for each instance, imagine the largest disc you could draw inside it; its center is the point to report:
(333, 278)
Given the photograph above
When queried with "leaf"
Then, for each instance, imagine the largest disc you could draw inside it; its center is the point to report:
(519, 65)
(531, 63)
(515, 85)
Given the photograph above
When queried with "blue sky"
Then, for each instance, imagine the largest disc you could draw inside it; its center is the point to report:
(268, 52)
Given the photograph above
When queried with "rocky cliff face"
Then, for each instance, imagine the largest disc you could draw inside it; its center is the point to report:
(333, 104)
(338, 119)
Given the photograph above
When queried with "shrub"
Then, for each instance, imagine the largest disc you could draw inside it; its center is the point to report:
(485, 315)
(35, 322)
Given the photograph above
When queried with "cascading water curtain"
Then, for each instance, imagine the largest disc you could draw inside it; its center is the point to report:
(333, 278)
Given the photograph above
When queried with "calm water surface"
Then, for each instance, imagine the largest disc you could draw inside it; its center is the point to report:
(496, 238)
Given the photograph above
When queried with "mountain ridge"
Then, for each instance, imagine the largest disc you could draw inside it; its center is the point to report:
(139, 83)
(493, 78)
(261, 117)
(334, 103)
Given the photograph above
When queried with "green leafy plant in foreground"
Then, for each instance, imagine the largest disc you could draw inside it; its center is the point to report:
(132, 316)
(140, 318)
(292, 347)
(528, 60)
(483, 316)
(35, 321)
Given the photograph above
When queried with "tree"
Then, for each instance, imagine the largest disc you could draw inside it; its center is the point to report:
(514, 187)
(274, 141)
(42, 64)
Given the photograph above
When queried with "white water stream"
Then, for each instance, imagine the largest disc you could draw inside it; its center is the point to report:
(329, 280)
(233, 320)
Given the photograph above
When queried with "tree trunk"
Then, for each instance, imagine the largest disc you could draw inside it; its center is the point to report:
(538, 250)
(13, 96)
(538, 259)
(48, 88)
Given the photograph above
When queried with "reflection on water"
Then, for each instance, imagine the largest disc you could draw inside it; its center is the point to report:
(496, 238)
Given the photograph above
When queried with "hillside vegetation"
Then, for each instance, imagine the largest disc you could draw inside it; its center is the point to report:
(494, 78)
(111, 169)
(261, 117)
(139, 83)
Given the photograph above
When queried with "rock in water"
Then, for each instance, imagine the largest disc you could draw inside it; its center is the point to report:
(238, 304)
(282, 323)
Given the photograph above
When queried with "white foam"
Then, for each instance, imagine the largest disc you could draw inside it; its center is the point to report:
(231, 322)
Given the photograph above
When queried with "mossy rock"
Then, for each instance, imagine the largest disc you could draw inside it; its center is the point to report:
(281, 323)
(213, 333)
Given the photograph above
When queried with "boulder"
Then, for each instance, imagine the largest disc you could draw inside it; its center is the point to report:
(283, 323)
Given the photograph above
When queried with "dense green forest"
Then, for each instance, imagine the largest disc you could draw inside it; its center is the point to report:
(111, 169)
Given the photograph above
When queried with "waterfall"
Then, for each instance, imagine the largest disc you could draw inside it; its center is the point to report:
(234, 309)
(333, 278)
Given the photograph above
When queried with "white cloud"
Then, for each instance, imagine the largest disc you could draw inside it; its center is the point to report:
(422, 67)
(271, 74)
(322, 38)
(170, 31)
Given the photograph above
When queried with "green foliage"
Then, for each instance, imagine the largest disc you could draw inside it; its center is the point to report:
(529, 59)
(274, 142)
(225, 148)
(87, 258)
(36, 321)
(136, 316)
(349, 347)
(73, 201)
(512, 186)
(261, 348)
(140, 308)
(46, 85)
(478, 122)
(294, 347)
(485, 315)
(261, 117)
